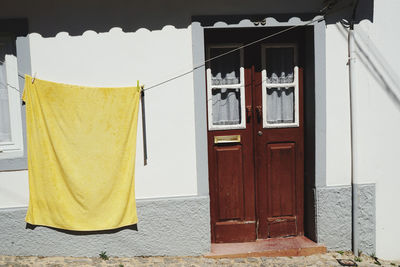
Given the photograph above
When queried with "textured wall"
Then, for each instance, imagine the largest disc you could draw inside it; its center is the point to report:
(334, 217)
(366, 218)
(171, 226)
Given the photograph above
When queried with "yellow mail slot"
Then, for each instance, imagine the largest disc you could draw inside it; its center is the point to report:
(224, 139)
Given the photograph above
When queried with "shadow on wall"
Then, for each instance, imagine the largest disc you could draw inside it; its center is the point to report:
(133, 227)
(48, 18)
(375, 63)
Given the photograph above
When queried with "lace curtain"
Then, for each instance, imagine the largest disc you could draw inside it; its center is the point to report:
(280, 100)
(225, 102)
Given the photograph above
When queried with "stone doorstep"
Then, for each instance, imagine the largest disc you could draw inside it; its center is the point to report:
(273, 247)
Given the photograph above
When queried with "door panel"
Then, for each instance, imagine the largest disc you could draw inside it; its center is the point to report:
(229, 164)
(281, 182)
(286, 227)
(281, 173)
(231, 169)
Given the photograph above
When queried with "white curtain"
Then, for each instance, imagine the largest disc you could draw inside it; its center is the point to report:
(225, 102)
(280, 100)
(226, 106)
(5, 131)
(280, 107)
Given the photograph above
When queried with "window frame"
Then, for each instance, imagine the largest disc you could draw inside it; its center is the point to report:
(241, 87)
(266, 85)
(15, 147)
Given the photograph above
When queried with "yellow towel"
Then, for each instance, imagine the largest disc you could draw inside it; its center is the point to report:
(81, 155)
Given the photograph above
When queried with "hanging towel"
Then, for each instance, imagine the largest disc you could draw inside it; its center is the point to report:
(81, 155)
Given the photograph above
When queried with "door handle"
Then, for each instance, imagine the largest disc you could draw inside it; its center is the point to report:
(248, 113)
(259, 113)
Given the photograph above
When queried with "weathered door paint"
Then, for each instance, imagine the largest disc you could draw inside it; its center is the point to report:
(256, 172)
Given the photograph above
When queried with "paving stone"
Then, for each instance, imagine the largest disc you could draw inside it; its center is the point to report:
(78, 261)
(253, 259)
(267, 259)
(171, 260)
(240, 260)
(328, 259)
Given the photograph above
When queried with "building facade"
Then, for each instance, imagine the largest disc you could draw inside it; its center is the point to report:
(203, 182)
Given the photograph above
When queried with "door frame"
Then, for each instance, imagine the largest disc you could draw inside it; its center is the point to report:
(315, 119)
(243, 187)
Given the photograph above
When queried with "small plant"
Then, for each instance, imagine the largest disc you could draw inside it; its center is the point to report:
(121, 265)
(359, 253)
(372, 255)
(392, 264)
(340, 252)
(358, 259)
(376, 260)
(103, 255)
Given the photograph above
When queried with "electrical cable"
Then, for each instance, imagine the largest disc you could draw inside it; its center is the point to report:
(231, 51)
(215, 57)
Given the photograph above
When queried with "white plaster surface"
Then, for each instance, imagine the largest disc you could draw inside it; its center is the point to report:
(338, 156)
(377, 109)
(14, 189)
(116, 58)
(379, 116)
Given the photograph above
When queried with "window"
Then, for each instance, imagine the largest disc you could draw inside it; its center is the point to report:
(225, 88)
(280, 86)
(11, 140)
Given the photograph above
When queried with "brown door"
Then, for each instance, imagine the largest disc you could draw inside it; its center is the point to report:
(255, 138)
(279, 156)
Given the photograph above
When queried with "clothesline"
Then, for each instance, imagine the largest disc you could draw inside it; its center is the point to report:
(231, 51)
(213, 58)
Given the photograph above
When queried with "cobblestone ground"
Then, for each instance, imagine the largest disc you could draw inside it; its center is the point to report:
(328, 259)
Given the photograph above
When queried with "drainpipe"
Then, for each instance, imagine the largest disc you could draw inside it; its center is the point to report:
(353, 132)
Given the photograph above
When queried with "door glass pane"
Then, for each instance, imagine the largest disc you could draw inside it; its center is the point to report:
(280, 105)
(5, 129)
(226, 69)
(226, 106)
(280, 64)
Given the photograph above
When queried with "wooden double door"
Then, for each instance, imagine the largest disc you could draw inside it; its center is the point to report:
(255, 136)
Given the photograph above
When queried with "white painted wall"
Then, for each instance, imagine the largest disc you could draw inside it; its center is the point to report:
(14, 189)
(378, 85)
(338, 156)
(119, 59)
(116, 58)
(378, 116)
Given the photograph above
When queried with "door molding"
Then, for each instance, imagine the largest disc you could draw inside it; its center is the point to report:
(198, 25)
(315, 134)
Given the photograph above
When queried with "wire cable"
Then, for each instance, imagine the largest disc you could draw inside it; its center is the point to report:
(233, 50)
(213, 58)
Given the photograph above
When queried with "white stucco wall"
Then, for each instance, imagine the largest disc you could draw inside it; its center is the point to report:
(14, 189)
(377, 108)
(116, 58)
(378, 85)
(338, 168)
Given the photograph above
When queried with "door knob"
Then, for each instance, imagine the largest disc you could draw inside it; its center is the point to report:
(260, 133)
